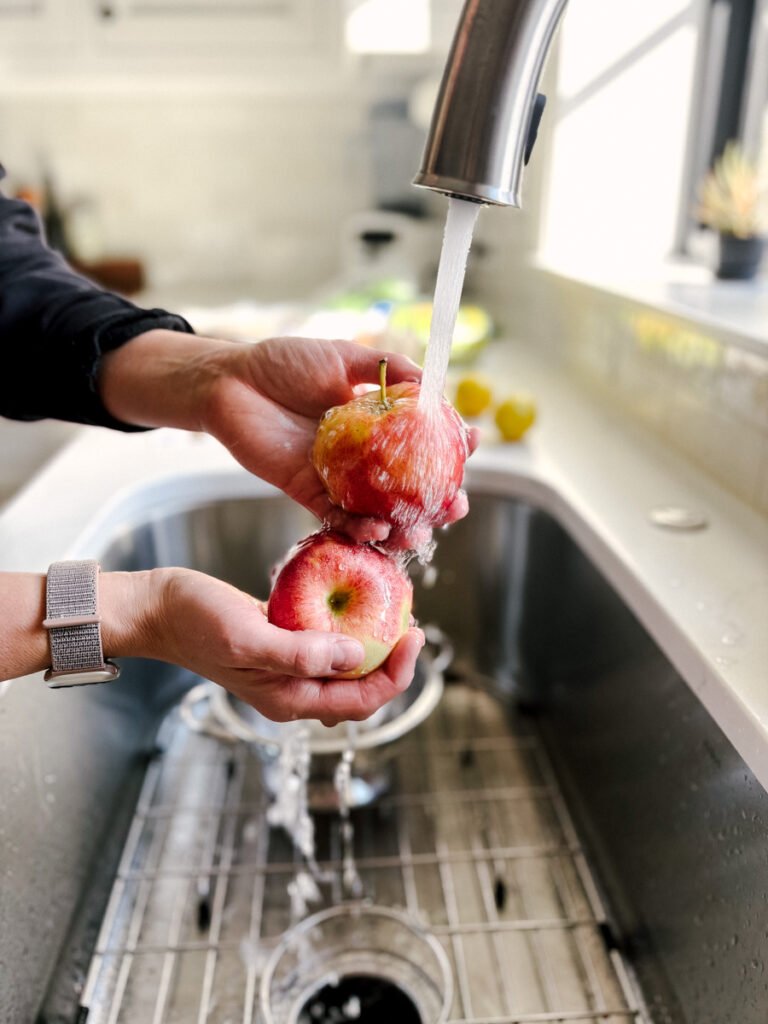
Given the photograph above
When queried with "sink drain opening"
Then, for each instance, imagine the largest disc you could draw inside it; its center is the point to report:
(357, 962)
(367, 998)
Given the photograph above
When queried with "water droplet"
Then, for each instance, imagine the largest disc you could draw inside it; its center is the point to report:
(429, 579)
(732, 636)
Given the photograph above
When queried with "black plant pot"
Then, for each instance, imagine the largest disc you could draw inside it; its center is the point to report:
(739, 257)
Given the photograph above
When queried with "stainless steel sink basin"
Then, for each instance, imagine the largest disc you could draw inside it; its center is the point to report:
(569, 823)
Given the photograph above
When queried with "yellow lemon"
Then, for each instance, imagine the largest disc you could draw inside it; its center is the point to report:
(515, 415)
(473, 395)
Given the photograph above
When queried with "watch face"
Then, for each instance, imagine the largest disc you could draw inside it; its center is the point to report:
(59, 680)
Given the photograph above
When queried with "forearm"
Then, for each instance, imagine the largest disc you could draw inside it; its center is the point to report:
(217, 632)
(127, 606)
(165, 379)
(55, 326)
(23, 641)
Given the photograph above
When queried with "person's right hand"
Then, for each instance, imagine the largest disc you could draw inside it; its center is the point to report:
(219, 632)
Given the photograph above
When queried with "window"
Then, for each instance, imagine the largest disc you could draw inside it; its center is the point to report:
(732, 91)
(388, 26)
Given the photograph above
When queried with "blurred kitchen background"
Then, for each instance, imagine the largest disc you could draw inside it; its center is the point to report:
(248, 163)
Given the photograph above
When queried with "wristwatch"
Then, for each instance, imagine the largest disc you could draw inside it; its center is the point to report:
(73, 623)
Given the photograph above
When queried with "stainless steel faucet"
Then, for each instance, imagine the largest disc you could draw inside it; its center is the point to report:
(487, 110)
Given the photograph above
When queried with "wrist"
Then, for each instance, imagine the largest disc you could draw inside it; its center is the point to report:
(130, 606)
(164, 378)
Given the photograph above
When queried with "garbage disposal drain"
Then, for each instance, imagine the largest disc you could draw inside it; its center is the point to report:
(360, 997)
(357, 962)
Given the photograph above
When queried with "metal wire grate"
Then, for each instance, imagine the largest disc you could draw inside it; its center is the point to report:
(473, 839)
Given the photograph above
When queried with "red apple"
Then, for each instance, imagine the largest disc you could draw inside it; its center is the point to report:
(383, 455)
(330, 583)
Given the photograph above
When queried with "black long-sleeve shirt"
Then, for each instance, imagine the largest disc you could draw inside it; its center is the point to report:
(55, 325)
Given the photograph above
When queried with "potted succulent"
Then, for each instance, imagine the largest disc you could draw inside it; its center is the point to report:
(732, 201)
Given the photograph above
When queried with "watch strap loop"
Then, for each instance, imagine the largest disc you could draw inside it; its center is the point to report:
(73, 624)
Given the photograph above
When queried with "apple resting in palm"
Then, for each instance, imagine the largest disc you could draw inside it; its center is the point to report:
(332, 584)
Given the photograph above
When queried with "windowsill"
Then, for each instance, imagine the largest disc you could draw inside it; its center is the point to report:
(683, 289)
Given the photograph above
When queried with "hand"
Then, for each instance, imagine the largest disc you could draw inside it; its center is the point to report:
(262, 401)
(267, 409)
(218, 632)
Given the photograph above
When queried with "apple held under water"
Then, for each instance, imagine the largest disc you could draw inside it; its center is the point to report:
(383, 455)
(330, 583)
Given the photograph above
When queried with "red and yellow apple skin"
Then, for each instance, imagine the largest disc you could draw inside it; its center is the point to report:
(330, 583)
(390, 459)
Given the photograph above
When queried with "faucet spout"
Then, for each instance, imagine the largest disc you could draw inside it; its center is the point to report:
(487, 105)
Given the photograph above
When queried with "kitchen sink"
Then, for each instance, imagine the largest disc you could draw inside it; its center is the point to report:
(568, 826)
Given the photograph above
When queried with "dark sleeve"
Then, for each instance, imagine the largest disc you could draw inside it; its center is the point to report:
(54, 327)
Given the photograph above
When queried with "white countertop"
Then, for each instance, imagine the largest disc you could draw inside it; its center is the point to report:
(703, 595)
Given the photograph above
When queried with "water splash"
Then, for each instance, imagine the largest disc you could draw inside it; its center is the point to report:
(290, 808)
(302, 891)
(429, 577)
(459, 226)
(290, 811)
(342, 780)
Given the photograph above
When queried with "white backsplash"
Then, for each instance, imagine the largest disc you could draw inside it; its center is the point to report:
(700, 388)
(227, 187)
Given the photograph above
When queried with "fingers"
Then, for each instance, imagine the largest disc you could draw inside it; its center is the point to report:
(307, 653)
(419, 538)
(458, 508)
(401, 664)
(339, 700)
(394, 538)
(362, 364)
(473, 438)
(363, 529)
(416, 538)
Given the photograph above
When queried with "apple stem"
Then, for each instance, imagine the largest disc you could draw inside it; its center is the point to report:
(383, 380)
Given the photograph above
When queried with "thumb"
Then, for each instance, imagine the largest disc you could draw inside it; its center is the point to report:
(308, 653)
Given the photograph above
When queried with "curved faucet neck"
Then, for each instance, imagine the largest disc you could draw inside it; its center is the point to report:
(478, 141)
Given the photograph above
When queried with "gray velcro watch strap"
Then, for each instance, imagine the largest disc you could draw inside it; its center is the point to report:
(73, 624)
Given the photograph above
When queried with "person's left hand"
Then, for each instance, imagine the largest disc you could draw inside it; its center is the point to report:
(266, 413)
(263, 402)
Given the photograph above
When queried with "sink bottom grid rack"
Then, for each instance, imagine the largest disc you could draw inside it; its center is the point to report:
(473, 841)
